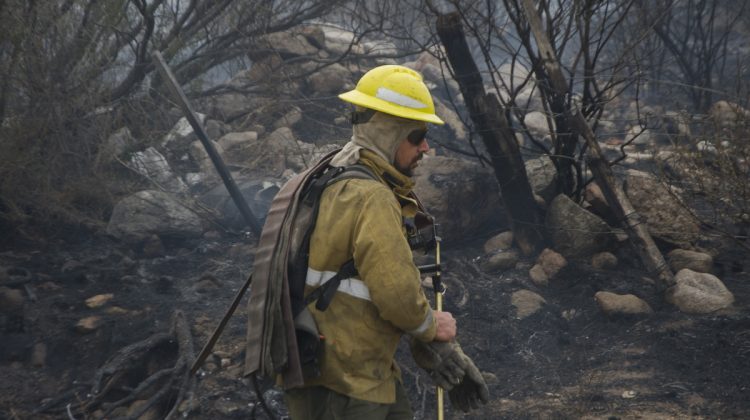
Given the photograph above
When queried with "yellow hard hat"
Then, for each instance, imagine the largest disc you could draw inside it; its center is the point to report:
(394, 90)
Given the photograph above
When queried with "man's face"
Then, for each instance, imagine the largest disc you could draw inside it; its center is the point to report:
(410, 151)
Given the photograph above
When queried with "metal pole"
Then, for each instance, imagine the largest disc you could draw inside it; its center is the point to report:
(226, 176)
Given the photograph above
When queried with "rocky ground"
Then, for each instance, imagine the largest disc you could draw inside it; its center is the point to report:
(85, 320)
(563, 358)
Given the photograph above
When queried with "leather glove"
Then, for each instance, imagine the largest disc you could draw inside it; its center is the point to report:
(445, 362)
(472, 389)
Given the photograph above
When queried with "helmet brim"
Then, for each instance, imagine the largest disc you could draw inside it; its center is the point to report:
(358, 98)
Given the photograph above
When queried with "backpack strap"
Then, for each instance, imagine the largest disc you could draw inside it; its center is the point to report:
(324, 293)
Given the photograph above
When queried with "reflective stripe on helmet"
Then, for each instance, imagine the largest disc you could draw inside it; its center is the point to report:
(399, 99)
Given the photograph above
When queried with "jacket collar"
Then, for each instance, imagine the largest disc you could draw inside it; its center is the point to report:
(401, 184)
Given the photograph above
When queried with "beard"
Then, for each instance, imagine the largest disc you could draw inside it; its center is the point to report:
(408, 170)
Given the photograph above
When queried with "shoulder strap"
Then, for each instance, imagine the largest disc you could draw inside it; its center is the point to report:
(324, 293)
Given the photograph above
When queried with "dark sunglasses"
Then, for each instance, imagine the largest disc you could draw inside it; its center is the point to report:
(416, 137)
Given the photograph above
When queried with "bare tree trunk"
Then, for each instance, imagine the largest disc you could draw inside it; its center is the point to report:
(616, 198)
(497, 136)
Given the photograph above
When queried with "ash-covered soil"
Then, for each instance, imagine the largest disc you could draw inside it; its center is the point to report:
(568, 360)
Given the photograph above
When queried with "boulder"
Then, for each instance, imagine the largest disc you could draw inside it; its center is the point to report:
(542, 177)
(728, 114)
(199, 155)
(551, 262)
(500, 242)
(11, 301)
(289, 119)
(153, 166)
(604, 261)
(595, 197)
(461, 194)
(538, 125)
(574, 231)
(116, 145)
(698, 293)
(694, 260)
(340, 41)
(451, 119)
(330, 79)
(500, 261)
(151, 212)
(257, 193)
(287, 44)
(538, 276)
(89, 324)
(615, 304)
(665, 215)
(526, 303)
(237, 140)
(181, 134)
(99, 300)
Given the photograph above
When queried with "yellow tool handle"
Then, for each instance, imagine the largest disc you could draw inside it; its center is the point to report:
(438, 306)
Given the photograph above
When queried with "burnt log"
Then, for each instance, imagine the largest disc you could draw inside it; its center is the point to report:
(600, 168)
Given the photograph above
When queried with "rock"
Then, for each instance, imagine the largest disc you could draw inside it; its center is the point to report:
(614, 304)
(330, 79)
(604, 261)
(665, 215)
(452, 119)
(696, 261)
(89, 324)
(11, 301)
(116, 145)
(538, 276)
(500, 261)
(551, 262)
(116, 310)
(314, 35)
(500, 242)
(150, 212)
(231, 106)
(200, 156)
(542, 177)
(39, 355)
(574, 231)
(292, 117)
(153, 166)
(595, 197)
(339, 41)
(537, 124)
(463, 196)
(728, 114)
(181, 134)
(526, 303)
(287, 44)
(99, 300)
(257, 193)
(237, 140)
(698, 293)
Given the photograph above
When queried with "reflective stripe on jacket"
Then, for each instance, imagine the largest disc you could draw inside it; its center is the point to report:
(363, 219)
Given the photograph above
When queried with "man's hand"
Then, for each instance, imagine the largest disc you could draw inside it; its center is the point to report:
(471, 391)
(442, 361)
(446, 326)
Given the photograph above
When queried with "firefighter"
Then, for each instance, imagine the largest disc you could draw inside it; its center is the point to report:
(362, 219)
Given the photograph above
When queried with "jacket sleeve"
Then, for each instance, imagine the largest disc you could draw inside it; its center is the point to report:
(384, 262)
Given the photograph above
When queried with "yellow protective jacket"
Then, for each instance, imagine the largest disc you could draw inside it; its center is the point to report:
(362, 219)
